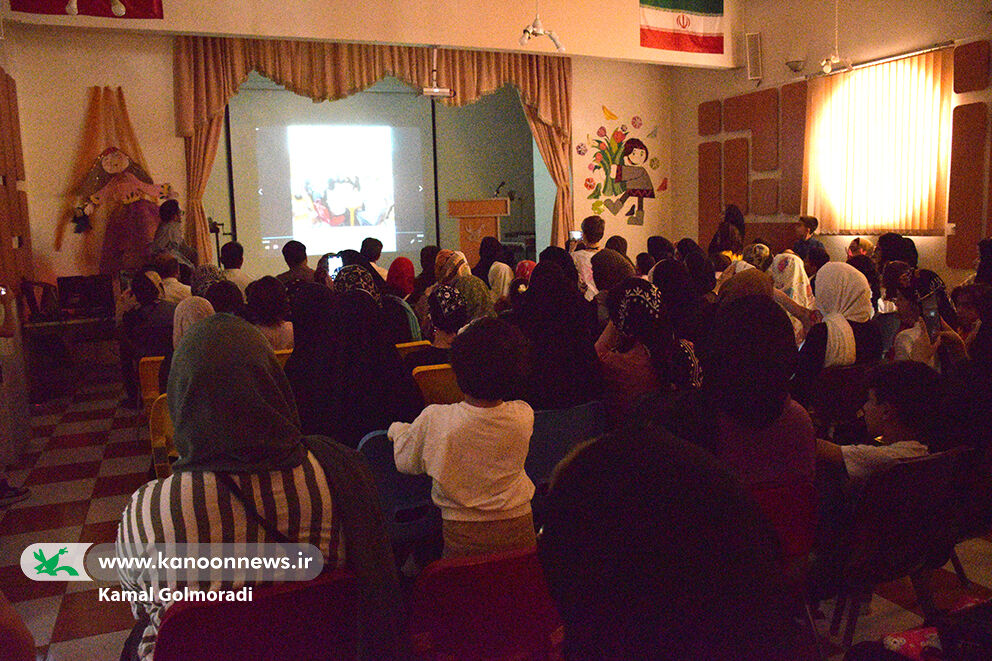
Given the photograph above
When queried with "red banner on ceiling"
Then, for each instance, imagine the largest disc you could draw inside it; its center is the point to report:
(108, 8)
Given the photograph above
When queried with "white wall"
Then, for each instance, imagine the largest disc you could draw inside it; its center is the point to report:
(587, 27)
(627, 91)
(789, 30)
(53, 69)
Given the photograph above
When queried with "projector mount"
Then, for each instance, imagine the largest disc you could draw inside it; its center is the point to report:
(536, 29)
(434, 91)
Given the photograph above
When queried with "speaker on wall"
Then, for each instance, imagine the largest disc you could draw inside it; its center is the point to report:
(752, 53)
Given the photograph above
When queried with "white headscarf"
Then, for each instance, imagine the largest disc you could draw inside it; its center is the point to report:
(789, 276)
(843, 295)
(188, 312)
(500, 277)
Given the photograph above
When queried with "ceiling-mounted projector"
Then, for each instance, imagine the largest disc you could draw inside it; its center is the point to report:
(536, 29)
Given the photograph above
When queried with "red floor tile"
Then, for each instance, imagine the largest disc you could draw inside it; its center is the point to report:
(119, 484)
(77, 440)
(44, 517)
(127, 449)
(18, 587)
(104, 532)
(47, 474)
(82, 615)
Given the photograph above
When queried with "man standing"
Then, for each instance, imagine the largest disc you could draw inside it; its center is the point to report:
(805, 229)
(593, 228)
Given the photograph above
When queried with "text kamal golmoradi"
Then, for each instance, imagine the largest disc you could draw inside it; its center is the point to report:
(165, 595)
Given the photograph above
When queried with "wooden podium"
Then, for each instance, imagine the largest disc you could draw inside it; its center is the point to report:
(477, 219)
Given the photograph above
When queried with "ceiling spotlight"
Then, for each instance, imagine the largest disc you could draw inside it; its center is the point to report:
(536, 29)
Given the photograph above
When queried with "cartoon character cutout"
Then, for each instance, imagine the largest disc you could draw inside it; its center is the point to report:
(636, 181)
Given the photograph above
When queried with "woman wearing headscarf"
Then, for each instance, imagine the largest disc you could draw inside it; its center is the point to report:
(691, 313)
(524, 268)
(846, 336)
(449, 265)
(449, 314)
(564, 261)
(749, 282)
(400, 277)
(789, 275)
(757, 255)
(558, 322)
(490, 251)
(912, 288)
(188, 312)
(743, 413)
(477, 296)
(268, 308)
(345, 371)
(702, 275)
(638, 350)
(204, 275)
(401, 323)
(500, 277)
(246, 474)
(609, 269)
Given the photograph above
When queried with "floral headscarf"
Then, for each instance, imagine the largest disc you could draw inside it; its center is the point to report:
(204, 276)
(639, 303)
(450, 265)
(356, 278)
(789, 276)
(476, 295)
(449, 312)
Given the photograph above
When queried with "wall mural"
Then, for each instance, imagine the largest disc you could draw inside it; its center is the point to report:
(621, 166)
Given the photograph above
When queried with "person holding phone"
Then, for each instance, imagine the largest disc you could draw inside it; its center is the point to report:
(919, 291)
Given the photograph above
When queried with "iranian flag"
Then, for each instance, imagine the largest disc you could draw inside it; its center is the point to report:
(694, 26)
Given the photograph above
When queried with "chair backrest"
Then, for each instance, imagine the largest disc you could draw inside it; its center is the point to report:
(557, 431)
(282, 355)
(839, 394)
(161, 436)
(403, 348)
(903, 519)
(405, 499)
(148, 368)
(285, 622)
(438, 384)
(790, 508)
(484, 607)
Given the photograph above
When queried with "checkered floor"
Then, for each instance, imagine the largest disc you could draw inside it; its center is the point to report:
(88, 455)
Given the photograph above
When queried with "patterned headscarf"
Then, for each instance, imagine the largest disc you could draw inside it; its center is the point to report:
(500, 277)
(640, 304)
(789, 276)
(757, 255)
(354, 277)
(610, 268)
(449, 312)
(204, 276)
(450, 265)
(524, 269)
(476, 295)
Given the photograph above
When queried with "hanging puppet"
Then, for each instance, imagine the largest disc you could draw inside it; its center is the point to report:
(119, 190)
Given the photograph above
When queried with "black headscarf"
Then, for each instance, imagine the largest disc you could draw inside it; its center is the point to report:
(230, 402)
(490, 251)
(564, 261)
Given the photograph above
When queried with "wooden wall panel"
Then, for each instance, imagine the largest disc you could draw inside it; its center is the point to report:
(735, 113)
(793, 147)
(777, 236)
(735, 173)
(762, 119)
(710, 157)
(8, 163)
(971, 67)
(709, 118)
(764, 197)
(967, 185)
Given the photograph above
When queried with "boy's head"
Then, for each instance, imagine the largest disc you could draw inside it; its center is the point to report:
(490, 359)
(295, 253)
(371, 248)
(167, 266)
(169, 211)
(232, 255)
(593, 228)
(902, 400)
(806, 227)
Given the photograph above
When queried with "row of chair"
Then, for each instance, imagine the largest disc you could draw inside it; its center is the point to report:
(482, 607)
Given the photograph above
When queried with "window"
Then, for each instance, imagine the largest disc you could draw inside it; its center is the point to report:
(878, 142)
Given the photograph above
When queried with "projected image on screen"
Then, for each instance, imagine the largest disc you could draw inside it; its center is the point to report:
(341, 182)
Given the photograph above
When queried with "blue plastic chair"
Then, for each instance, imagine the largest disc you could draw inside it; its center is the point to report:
(556, 432)
(405, 499)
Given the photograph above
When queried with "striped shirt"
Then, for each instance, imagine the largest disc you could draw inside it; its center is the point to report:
(190, 507)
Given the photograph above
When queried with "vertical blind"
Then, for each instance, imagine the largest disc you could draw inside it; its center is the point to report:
(878, 142)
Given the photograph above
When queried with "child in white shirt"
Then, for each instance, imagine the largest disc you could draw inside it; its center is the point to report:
(475, 450)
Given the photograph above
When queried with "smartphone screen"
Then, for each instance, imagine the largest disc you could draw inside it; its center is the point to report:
(575, 234)
(334, 265)
(931, 315)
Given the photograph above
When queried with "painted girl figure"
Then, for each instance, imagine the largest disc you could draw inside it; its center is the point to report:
(635, 178)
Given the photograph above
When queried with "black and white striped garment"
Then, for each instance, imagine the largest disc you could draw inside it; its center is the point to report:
(190, 507)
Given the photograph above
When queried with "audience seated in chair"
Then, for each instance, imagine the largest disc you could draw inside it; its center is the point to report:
(144, 331)
(475, 450)
(232, 256)
(237, 433)
(449, 314)
(652, 550)
(268, 308)
(173, 291)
